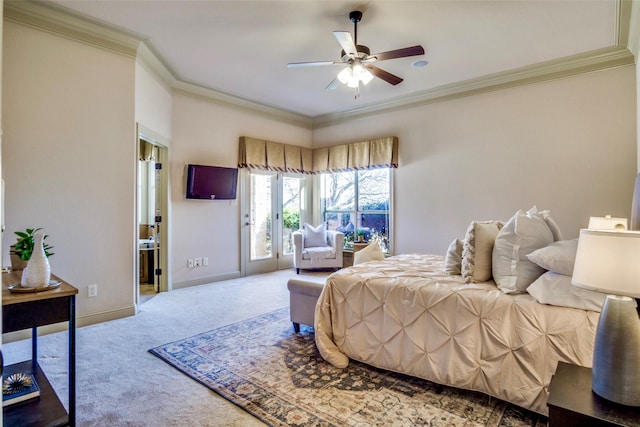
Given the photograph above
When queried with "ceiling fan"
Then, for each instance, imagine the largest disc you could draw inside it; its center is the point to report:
(359, 60)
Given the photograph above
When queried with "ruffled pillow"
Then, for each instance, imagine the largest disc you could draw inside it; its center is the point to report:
(477, 250)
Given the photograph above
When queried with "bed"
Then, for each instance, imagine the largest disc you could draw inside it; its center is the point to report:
(406, 314)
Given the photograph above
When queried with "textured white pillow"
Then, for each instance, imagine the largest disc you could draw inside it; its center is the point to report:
(477, 249)
(453, 260)
(556, 289)
(314, 236)
(521, 235)
(372, 252)
(558, 257)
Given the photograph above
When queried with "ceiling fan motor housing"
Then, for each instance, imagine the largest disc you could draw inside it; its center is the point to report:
(363, 52)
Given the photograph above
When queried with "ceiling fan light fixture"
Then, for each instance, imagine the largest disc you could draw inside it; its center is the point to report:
(354, 74)
(345, 75)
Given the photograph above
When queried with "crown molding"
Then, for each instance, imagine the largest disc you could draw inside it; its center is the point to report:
(221, 98)
(50, 18)
(564, 67)
(633, 42)
(61, 21)
(148, 59)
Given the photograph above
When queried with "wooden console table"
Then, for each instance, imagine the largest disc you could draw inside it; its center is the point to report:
(29, 311)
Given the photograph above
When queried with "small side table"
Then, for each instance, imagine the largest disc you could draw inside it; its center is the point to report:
(30, 311)
(573, 403)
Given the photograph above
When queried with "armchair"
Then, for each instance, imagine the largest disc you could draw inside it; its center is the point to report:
(328, 256)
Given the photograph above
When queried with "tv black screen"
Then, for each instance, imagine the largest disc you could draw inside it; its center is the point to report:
(211, 182)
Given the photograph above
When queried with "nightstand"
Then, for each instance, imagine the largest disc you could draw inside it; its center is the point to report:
(573, 403)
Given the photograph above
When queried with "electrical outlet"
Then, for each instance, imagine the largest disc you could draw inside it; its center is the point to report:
(197, 262)
(190, 263)
(92, 291)
(205, 260)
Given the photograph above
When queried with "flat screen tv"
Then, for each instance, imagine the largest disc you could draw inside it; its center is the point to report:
(211, 182)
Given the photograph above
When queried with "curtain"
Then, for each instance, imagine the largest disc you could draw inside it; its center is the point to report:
(371, 154)
(147, 151)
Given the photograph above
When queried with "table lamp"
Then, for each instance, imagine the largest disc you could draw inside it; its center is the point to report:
(609, 262)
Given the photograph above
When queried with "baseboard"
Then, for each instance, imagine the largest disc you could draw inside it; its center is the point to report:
(81, 321)
(205, 280)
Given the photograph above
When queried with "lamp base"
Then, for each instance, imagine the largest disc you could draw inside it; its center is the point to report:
(616, 354)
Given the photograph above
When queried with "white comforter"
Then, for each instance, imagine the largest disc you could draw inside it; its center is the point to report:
(405, 315)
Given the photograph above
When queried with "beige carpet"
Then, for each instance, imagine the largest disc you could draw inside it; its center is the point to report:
(261, 365)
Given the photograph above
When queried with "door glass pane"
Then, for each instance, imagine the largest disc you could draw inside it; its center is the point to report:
(261, 219)
(291, 190)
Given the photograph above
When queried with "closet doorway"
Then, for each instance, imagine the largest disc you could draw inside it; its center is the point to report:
(152, 218)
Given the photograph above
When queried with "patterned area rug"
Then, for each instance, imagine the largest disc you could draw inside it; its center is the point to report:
(265, 368)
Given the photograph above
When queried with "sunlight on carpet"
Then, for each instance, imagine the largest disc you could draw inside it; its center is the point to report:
(262, 366)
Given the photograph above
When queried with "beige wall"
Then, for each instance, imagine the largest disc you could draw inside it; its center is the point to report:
(153, 102)
(68, 160)
(567, 145)
(207, 133)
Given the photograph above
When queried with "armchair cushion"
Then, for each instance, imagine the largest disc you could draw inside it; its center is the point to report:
(314, 236)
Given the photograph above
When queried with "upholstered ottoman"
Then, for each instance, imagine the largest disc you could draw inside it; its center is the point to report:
(303, 295)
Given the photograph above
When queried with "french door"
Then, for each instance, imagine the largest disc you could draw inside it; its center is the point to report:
(272, 211)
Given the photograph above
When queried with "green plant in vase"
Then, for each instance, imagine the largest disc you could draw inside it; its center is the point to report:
(23, 248)
(360, 235)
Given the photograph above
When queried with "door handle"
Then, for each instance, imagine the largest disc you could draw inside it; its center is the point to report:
(248, 223)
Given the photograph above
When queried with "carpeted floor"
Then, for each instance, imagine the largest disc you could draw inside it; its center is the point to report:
(262, 366)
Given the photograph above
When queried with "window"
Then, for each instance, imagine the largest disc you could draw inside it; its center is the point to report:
(358, 203)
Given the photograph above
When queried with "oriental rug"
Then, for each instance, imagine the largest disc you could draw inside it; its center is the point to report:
(277, 375)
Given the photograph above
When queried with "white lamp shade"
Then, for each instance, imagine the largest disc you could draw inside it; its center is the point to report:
(608, 261)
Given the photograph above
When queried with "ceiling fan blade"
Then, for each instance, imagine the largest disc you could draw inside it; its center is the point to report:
(384, 75)
(399, 53)
(346, 41)
(332, 84)
(312, 64)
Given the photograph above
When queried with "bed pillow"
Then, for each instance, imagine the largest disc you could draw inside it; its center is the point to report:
(315, 236)
(553, 225)
(453, 260)
(372, 252)
(558, 257)
(521, 235)
(477, 250)
(556, 289)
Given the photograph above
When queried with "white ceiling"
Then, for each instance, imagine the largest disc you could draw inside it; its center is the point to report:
(241, 48)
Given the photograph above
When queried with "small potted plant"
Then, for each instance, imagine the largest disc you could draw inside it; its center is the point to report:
(20, 252)
(360, 235)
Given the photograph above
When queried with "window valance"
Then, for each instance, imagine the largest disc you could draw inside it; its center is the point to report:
(261, 154)
(267, 155)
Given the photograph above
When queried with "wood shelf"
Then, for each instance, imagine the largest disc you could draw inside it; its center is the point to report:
(45, 410)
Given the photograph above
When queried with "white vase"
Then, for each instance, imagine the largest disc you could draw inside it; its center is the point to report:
(38, 271)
